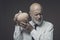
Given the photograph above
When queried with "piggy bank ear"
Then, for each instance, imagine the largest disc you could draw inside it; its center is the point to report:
(20, 11)
(15, 17)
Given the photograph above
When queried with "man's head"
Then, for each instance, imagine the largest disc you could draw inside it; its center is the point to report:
(35, 12)
(22, 17)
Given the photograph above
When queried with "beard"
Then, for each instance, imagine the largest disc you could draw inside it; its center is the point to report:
(39, 22)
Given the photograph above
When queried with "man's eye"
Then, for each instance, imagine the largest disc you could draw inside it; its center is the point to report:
(40, 14)
(36, 14)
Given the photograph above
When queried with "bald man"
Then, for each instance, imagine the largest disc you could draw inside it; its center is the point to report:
(43, 30)
(36, 29)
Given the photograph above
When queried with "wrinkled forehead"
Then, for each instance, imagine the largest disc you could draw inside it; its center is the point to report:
(35, 6)
(36, 10)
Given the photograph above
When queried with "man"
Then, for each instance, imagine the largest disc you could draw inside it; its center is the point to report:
(37, 28)
(44, 30)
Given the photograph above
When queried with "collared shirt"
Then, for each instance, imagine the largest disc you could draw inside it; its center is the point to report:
(42, 32)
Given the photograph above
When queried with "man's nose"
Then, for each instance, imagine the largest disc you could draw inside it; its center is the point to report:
(38, 16)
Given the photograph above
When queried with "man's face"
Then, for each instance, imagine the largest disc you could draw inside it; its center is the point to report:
(36, 14)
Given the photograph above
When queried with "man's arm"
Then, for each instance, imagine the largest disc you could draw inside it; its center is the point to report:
(17, 33)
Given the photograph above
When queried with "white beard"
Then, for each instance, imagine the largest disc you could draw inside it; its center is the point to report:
(37, 22)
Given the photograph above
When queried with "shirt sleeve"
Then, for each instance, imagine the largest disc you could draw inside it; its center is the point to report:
(47, 35)
(17, 32)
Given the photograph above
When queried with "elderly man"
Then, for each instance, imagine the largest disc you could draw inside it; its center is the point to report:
(43, 29)
(36, 29)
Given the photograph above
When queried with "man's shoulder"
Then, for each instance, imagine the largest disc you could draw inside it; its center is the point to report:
(48, 25)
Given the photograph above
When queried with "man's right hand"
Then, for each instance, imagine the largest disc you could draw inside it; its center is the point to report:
(26, 26)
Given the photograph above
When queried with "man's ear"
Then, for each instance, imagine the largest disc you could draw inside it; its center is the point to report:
(30, 13)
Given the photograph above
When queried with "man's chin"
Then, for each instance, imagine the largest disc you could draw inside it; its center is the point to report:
(37, 22)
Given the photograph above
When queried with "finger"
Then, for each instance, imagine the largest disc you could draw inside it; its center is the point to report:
(27, 28)
(23, 23)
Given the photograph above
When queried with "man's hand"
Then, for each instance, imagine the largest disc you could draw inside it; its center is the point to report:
(26, 26)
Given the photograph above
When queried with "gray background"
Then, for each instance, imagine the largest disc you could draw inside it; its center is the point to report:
(51, 12)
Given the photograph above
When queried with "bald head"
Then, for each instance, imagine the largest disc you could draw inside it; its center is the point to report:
(22, 17)
(35, 6)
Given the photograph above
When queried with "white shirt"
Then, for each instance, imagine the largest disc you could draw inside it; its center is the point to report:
(43, 32)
